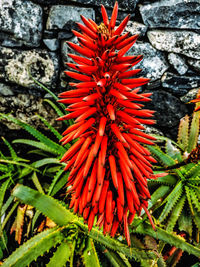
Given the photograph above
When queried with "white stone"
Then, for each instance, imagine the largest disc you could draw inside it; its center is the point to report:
(181, 42)
(178, 63)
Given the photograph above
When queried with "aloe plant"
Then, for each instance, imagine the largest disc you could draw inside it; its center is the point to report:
(176, 197)
(180, 200)
(71, 236)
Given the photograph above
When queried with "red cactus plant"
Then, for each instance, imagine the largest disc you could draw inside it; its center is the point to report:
(108, 164)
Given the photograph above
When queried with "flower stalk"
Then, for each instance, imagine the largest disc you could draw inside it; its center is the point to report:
(108, 164)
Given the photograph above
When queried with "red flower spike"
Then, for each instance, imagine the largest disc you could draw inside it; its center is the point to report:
(108, 165)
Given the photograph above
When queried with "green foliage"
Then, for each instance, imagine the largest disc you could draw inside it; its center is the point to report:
(35, 247)
(41, 168)
(169, 238)
(61, 255)
(72, 226)
(90, 256)
(47, 142)
(181, 192)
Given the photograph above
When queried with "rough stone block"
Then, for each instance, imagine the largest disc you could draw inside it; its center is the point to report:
(172, 14)
(22, 19)
(181, 42)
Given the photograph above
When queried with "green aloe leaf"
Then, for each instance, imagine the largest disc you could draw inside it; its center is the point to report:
(196, 218)
(6, 204)
(11, 149)
(188, 195)
(194, 132)
(115, 259)
(60, 183)
(37, 134)
(162, 157)
(158, 194)
(163, 138)
(59, 111)
(195, 265)
(62, 216)
(169, 238)
(43, 87)
(46, 161)
(170, 201)
(35, 247)
(161, 262)
(185, 222)
(24, 172)
(175, 213)
(50, 127)
(37, 182)
(3, 189)
(194, 171)
(167, 180)
(55, 179)
(90, 256)
(36, 144)
(55, 107)
(195, 199)
(19, 164)
(46, 204)
(115, 245)
(61, 256)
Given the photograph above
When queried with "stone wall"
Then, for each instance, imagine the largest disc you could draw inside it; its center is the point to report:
(33, 38)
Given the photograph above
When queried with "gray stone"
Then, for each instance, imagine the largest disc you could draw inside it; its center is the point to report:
(124, 5)
(5, 90)
(65, 50)
(46, 2)
(181, 42)
(50, 34)
(62, 17)
(195, 64)
(178, 83)
(25, 107)
(9, 41)
(64, 82)
(153, 130)
(135, 27)
(51, 44)
(172, 14)
(154, 84)
(23, 20)
(65, 35)
(153, 64)
(178, 63)
(15, 66)
(190, 95)
(169, 109)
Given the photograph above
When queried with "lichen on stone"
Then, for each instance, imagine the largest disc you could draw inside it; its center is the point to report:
(19, 68)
